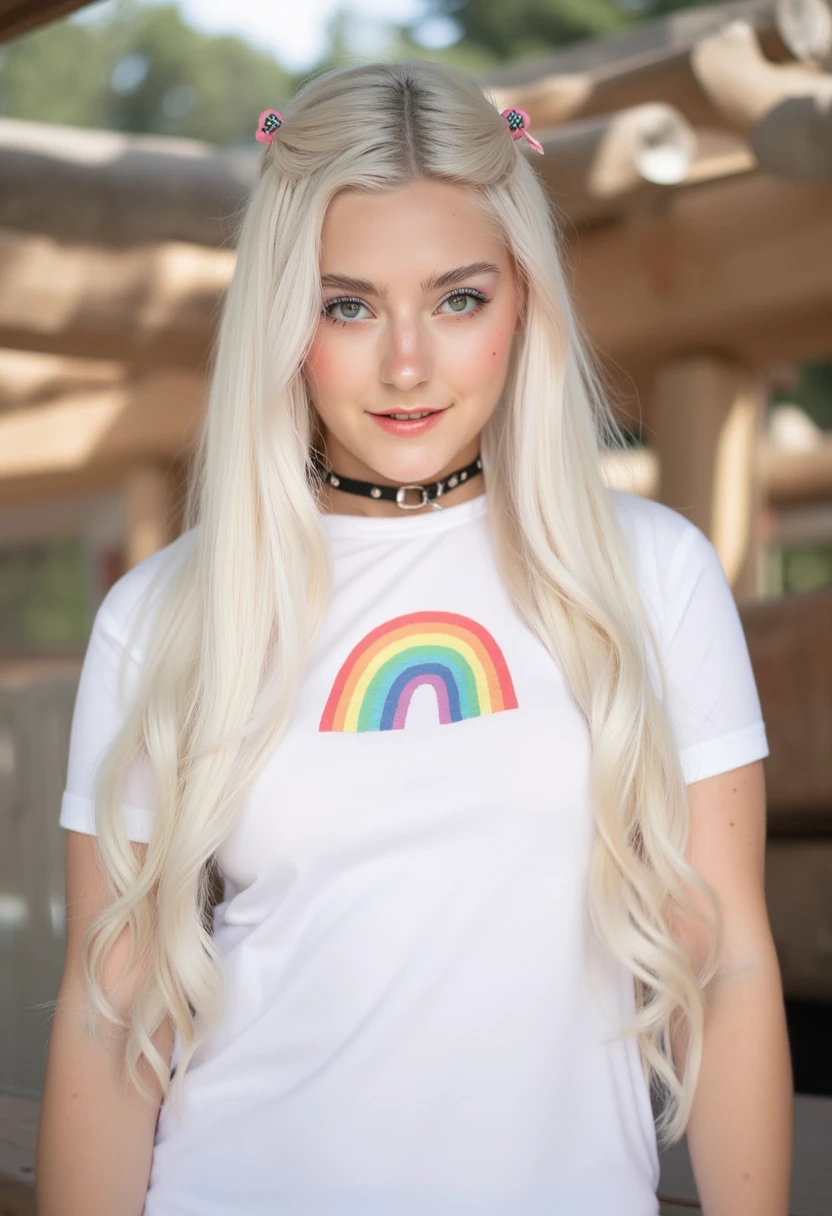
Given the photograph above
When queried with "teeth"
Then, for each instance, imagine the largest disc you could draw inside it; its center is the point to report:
(408, 417)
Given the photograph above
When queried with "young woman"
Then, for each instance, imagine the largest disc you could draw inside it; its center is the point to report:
(437, 705)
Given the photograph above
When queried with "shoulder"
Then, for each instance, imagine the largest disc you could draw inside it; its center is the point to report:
(667, 550)
(140, 586)
(646, 522)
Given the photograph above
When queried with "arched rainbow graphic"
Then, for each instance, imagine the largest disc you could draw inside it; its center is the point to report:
(452, 653)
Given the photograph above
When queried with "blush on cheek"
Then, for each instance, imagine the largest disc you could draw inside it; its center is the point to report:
(337, 372)
(477, 366)
(313, 358)
(322, 365)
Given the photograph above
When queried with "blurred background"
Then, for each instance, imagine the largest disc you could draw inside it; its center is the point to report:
(689, 165)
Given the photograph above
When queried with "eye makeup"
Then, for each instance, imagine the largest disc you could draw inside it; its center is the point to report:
(479, 297)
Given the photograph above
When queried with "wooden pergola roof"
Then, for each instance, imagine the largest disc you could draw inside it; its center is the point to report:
(22, 16)
(688, 161)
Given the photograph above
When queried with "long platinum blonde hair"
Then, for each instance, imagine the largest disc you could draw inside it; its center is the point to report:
(230, 628)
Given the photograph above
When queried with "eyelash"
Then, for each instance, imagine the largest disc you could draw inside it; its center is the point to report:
(479, 296)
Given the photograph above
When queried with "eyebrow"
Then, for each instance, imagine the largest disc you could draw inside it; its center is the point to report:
(448, 279)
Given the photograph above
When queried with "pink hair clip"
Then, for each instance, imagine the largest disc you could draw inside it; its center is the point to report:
(267, 124)
(518, 120)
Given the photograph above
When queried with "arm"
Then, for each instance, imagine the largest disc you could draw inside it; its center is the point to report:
(741, 1127)
(95, 1140)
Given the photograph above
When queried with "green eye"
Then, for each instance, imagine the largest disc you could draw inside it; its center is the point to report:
(458, 301)
(344, 302)
(350, 306)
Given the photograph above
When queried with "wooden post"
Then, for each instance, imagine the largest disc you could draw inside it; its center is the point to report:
(707, 419)
(148, 490)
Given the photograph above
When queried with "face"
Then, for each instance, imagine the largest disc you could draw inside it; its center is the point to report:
(400, 332)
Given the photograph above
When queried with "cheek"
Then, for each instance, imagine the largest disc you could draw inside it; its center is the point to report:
(320, 364)
(332, 366)
(484, 356)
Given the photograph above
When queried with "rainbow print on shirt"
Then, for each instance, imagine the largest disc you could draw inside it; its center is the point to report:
(457, 657)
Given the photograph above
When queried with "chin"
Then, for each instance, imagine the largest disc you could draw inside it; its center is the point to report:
(416, 471)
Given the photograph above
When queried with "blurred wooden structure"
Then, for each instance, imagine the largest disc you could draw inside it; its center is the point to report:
(695, 235)
(689, 167)
(698, 260)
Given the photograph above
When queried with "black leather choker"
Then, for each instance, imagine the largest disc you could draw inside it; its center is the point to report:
(397, 494)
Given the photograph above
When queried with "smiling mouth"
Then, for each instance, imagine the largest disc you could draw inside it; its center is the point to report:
(407, 414)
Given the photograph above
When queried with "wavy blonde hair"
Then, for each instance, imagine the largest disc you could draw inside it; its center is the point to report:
(234, 622)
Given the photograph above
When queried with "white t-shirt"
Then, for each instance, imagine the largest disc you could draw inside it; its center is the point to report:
(410, 1024)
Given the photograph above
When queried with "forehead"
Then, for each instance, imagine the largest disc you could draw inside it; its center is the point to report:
(423, 220)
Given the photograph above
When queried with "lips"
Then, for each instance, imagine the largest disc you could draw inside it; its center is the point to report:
(389, 413)
(408, 426)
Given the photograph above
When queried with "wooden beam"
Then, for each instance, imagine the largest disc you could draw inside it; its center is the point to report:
(652, 63)
(737, 75)
(154, 416)
(70, 427)
(807, 524)
(148, 305)
(593, 168)
(796, 484)
(29, 378)
(107, 188)
(794, 477)
(148, 490)
(719, 153)
(794, 139)
(101, 187)
(707, 422)
(559, 99)
(741, 267)
(111, 188)
(806, 28)
(790, 643)
(39, 487)
(648, 41)
(785, 109)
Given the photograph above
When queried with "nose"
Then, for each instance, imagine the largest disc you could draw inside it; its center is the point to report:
(405, 357)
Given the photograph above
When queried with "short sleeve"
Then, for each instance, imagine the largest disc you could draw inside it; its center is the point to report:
(712, 694)
(97, 716)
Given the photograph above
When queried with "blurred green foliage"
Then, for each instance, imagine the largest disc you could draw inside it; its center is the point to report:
(807, 567)
(524, 28)
(812, 391)
(44, 595)
(792, 569)
(143, 69)
(512, 30)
